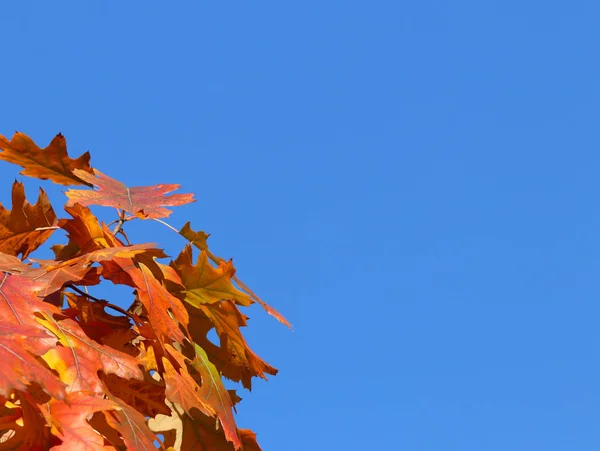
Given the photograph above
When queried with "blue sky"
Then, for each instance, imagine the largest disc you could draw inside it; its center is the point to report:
(413, 184)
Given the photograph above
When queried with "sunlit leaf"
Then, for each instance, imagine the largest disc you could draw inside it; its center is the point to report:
(49, 163)
(146, 202)
(18, 228)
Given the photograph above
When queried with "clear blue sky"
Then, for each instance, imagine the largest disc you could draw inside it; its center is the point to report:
(414, 185)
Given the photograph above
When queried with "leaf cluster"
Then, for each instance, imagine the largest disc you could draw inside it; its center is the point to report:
(82, 373)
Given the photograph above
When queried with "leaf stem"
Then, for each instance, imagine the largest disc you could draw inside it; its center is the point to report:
(47, 228)
(122, 232)
(167, 225)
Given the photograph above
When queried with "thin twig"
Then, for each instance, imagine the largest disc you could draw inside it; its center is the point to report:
(167, 225)
(122, 232)
(120, 223)
(47, 228)
(104, 302)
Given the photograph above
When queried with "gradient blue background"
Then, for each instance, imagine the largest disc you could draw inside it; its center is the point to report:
(413, 184)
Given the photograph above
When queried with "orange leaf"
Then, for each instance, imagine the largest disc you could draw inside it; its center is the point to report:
(55, 277)
(199, 434)
(51, 162)
(159, 304)
(84, 231)
(30, 431)
(205, 284)
(18, 234)
(104, 254)
(233, 357)
(109, 330)
(146, 396)
(69, 420)
(12, 264)
(19, 344)
(18, 301)
(181, 386)
(145, 202)
(214, 392)
(132, 426)
(249, 440)
(80, 358)
(198, 239)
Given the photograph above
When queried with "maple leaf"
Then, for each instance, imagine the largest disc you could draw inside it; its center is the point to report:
(145, 202)
(51, 162)
(18, 234)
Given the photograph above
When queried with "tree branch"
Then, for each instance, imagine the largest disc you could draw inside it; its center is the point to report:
(103, 302)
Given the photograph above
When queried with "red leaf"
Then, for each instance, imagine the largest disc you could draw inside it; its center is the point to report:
(18, 346)
(145, 202)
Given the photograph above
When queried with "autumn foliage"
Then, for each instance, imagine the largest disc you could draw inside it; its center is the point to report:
(82, 373)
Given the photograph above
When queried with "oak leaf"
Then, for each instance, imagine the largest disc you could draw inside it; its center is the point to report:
(54, 277)
(205, 284)
(181, 388)
(80, 358)
(198, 239)
(132, 426)
(52, 162)
(69, 421)
(84, 232)
(165, 311)
(146, 396)
(18, 234)
(145, 202)
(19, 346)
(100, 255)
(29, 429)
(19, 302)
(215, 394)
(13, 265)
(200, 435)
(75, 376)
(233, 357)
